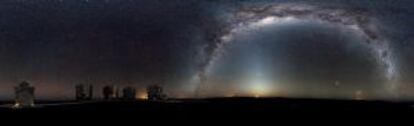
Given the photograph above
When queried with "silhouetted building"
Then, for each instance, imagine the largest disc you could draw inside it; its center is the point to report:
(24, 95)
(90, 92)
(128, 93)
(84, 92)
(155, 93)
(110, 92)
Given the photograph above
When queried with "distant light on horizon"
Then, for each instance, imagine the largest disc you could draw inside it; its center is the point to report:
(359, 95)
(260, 87)
(142, 96)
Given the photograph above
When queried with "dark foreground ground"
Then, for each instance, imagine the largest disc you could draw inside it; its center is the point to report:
(250, 107)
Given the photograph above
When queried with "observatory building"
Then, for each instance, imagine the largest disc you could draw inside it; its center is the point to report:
(24, 95)
(110, 92)
(129, 93)
(84, 92)
(155, 93)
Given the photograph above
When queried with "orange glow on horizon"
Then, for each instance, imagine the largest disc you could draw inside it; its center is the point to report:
(142, 96)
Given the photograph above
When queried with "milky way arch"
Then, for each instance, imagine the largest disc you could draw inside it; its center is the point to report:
(244, 17)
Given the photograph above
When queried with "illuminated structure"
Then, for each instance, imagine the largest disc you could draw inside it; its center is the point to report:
(84, 92)
(155, 93)
(24, 95)
(110, 92)
(128, 93)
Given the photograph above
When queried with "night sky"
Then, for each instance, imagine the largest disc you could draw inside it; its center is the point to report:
(284, 48)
